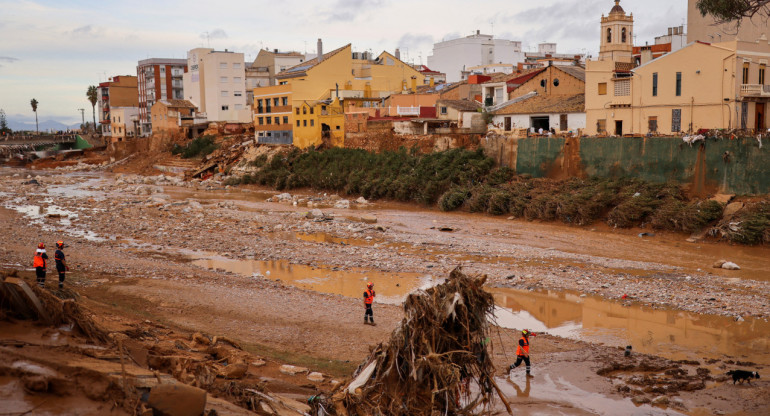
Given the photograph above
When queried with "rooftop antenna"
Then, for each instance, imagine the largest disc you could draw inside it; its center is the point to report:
(208, 40)
(492, 22)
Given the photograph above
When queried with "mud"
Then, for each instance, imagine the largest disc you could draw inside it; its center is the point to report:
(155, 235)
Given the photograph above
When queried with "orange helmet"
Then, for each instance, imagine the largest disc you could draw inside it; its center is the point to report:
(60, 244)
(41, 245)
(370, 285)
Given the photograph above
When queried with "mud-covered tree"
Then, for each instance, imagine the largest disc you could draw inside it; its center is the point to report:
(4, 129)
(33, 103)
(92, 98)
(726, 11)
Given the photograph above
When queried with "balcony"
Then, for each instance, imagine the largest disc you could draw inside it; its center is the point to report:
(408, 111)
(755, 90)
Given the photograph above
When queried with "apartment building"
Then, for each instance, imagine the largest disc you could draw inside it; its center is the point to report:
(215, 83)
(119, 91)
(454, 56)
(124, 123)
(158, 79)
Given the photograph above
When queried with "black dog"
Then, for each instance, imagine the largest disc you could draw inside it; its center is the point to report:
(742, 375)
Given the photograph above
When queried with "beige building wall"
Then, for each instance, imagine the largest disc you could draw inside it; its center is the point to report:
(704, 29)
(122, 122)
(568, 84)
(216, 84)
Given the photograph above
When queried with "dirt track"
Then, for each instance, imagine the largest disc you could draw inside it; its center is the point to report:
(144, 270)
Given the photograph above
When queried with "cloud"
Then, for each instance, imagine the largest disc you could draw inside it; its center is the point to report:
(414, 41)
(8, 59)
(348, 10)
(86, 30)
(214, 34)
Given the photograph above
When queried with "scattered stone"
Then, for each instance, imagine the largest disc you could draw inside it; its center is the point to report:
(292, 370)
(35, 383)
(640, 400)
(722, 198)
(178, 400)
(718, 264)
(259, 363)
(660, 401)
(342, 204)
(731, 209)
(730, 266)
(315, 213)
(315, 376)
(369, 219)
(361, 200)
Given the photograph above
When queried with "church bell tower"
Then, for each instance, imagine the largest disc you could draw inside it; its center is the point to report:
(617, 42)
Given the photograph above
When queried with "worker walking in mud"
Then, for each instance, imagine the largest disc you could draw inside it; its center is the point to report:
(39, 263)
(522, 351)
(61, 263)
(368, 299)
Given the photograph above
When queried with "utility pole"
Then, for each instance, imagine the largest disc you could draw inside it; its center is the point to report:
(83, 115)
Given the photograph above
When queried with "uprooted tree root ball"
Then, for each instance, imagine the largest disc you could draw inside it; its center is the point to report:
(435, 361)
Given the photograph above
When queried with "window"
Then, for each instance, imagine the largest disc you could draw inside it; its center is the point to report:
(225, 107)
(676, 119)
(601, 126)
(275, 101)
(622, 35)
(277, 120)
(311, 109)
(304, 110)
(297, 110)
(678, 85)
(260, 120)
(304, 123)
(223, 65)
(622, 87)
(297, 123)
(237, 79)
(285, 119)
(224, 93)
(237, 93)
(239, 106)
(609, 35)
(222, 79)
(443, 110)
(762, 74)
(745, 73)
(312, 122)
(269, 120)
(654, 84)
(652, 124)
(259, 104)
(236, 65)
(602, 88)
(284, 100)
(337, 127)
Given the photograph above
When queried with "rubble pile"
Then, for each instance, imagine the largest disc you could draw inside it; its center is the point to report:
(436, 360)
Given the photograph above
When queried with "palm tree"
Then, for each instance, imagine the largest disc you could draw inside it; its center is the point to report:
(92, 98)
(33, 103)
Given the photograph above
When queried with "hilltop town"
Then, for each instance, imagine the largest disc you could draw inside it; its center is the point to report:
(222, 219)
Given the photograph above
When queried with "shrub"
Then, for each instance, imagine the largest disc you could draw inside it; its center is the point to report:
(453, 198)
(199, 147)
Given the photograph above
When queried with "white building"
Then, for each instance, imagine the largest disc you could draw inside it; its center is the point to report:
(216, 84)
(454, 56)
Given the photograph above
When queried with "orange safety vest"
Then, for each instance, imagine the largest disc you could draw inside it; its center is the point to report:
(369, 296)
(39, 261)
(523, 350)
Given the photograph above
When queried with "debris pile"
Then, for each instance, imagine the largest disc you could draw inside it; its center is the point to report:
(437, 359)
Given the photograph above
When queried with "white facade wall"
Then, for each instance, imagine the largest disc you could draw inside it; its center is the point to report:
(216, 84)
(453, 56)
(523, 121)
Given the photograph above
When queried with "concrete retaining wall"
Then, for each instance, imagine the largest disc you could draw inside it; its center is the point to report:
(737, 166)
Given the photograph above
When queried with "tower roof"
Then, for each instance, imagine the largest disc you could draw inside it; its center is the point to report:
(617, 8)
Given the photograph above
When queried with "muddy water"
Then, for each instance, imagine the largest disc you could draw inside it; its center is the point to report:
(669, 333)
(391, 288)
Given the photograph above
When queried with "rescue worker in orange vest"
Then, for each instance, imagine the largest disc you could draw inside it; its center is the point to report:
(368, 299)
(522, 351)
(61, 263)
(39, 263)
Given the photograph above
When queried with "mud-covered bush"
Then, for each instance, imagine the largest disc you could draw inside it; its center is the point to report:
(200, 147)
(453, 198)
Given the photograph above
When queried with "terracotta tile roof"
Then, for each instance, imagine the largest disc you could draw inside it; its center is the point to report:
(461, 105)
(302, 68)
(576, 71)
(547, 104)
(178, 103)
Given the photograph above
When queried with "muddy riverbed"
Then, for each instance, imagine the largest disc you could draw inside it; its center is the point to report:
(285, 274)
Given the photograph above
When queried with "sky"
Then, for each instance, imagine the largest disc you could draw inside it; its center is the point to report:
(53, 50)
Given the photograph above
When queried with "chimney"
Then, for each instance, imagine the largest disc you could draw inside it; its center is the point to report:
(398, 54)
(320, 50)
(414, 84)
(670, 31)
(646, 55)
(275, 50)
(478, 32)
(681, 30)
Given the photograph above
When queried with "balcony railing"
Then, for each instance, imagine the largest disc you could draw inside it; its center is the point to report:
(755, 90)
(408, 111)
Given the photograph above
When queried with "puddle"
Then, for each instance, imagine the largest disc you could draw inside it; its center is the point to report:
(330, 239)
(62, 217)
(391, 288)
(672, 334)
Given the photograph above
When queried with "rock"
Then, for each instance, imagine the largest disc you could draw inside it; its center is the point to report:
(369, 219)
(315, 213)
(718, 264)
(730, 266)
(660, 401)
(177, 400)
(640, 400)
(235, 370)
(731, 209)
(258, 363)
(361, 200)
(342, 204)
(314, 376)
(722, 198)
(292, 370)
(36, 383)
(195, 205)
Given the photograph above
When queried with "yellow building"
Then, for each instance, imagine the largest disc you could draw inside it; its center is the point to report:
(701, 86)
(327, 81)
